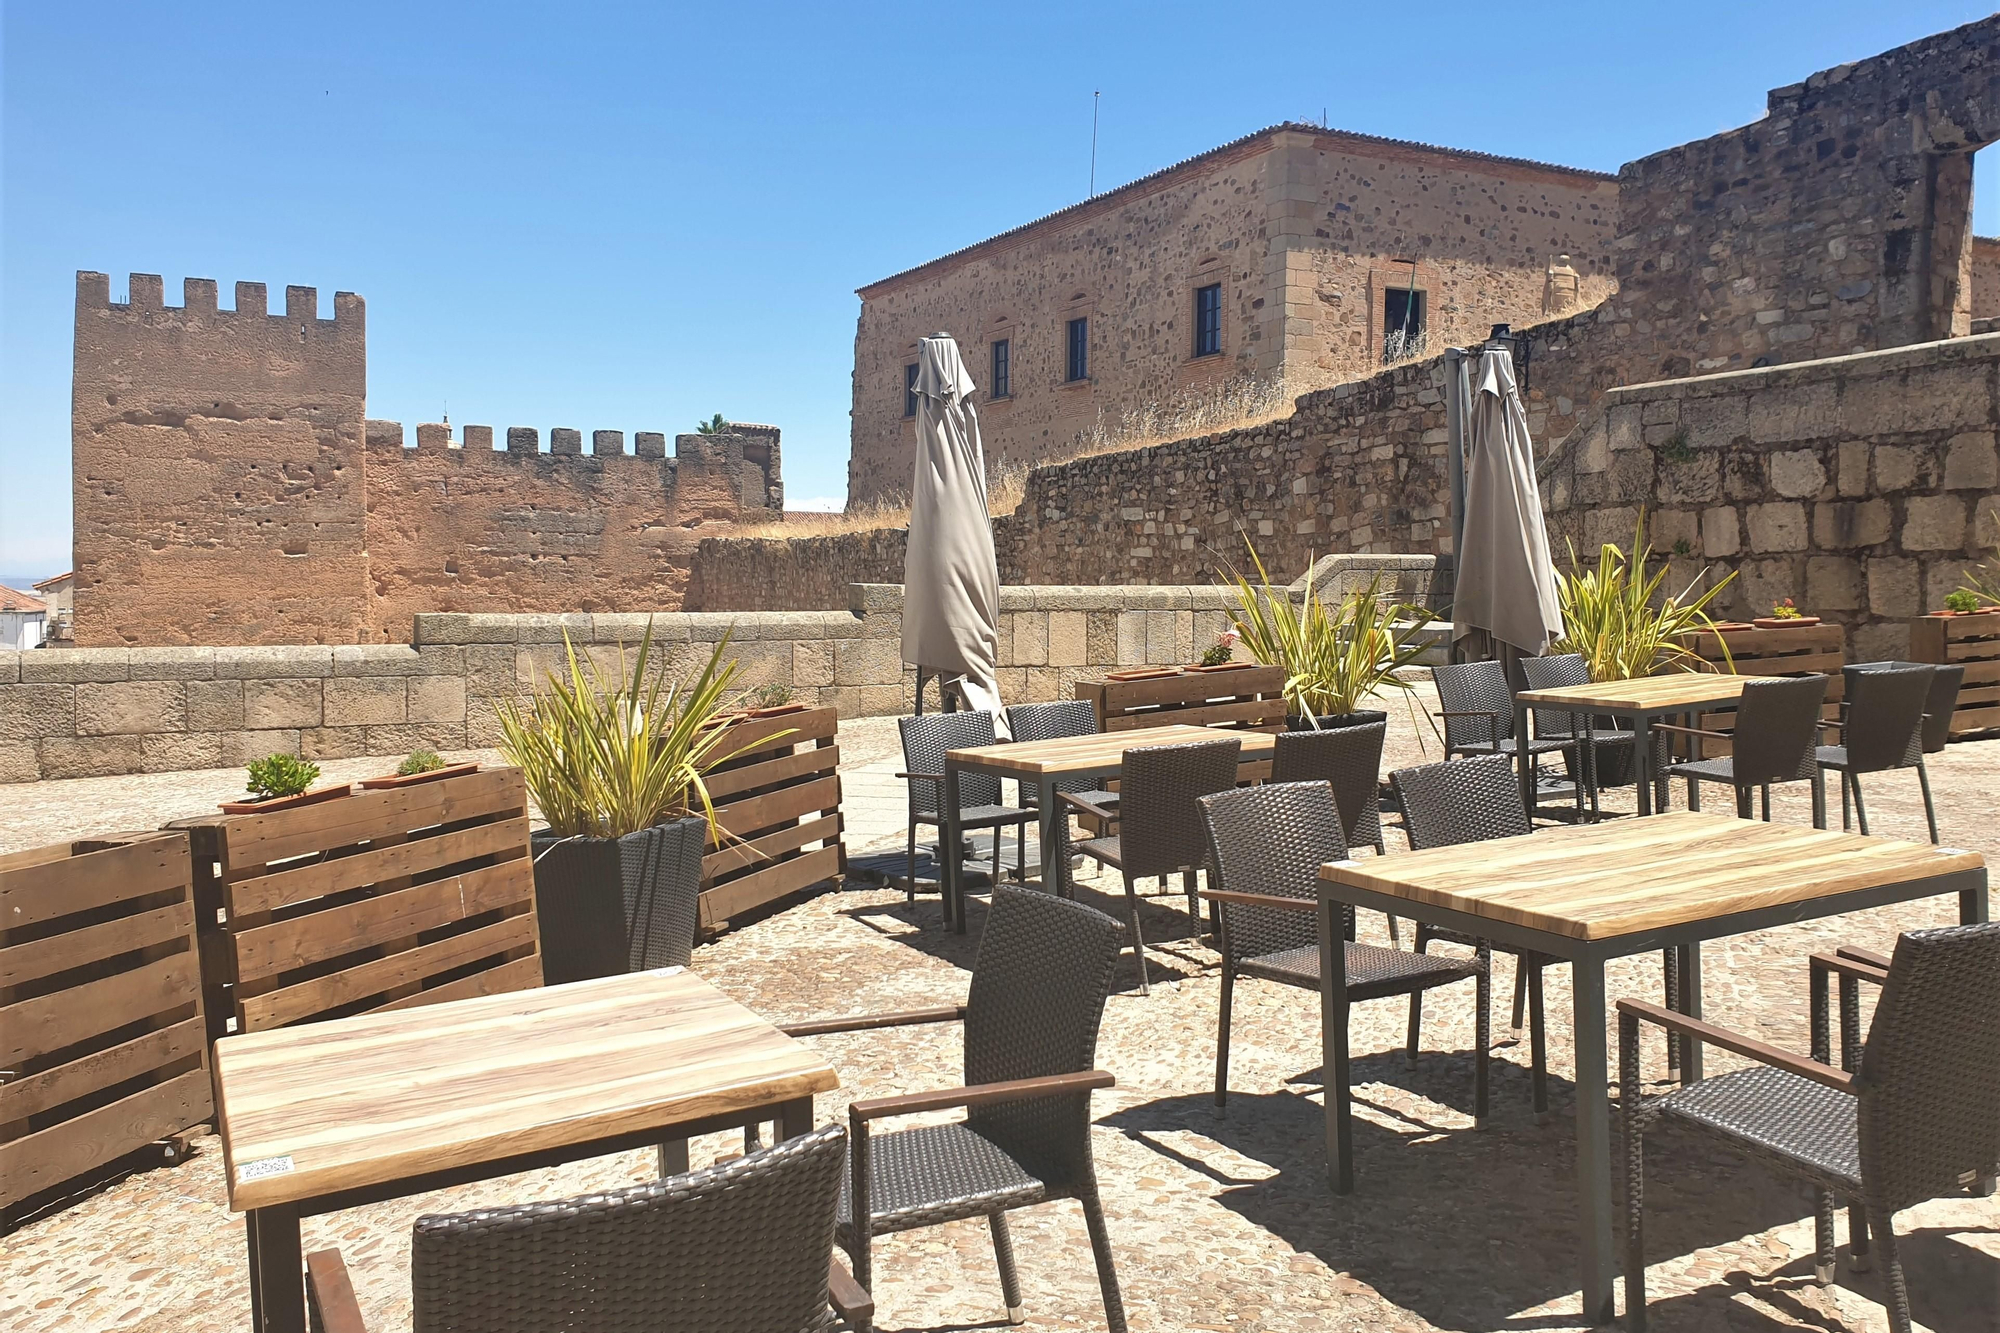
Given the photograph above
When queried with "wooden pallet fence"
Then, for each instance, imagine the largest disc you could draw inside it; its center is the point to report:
(378, 900)
(1772, 652)
(1251, 698)
(1974, 643)
(778, 803)
(101, 1027)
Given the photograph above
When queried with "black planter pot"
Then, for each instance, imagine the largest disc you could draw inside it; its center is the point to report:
(611, 905)
(1334, 721)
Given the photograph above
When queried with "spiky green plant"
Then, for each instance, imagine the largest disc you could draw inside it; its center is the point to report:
(279, 775)
(1615, 616)
(603, 758)
(1333, 659)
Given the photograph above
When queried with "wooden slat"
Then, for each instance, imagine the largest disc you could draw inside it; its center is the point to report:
(253, 840)
(1958, 629)
(761, 812)
(819, 759)
(59, 953)
(762, 733)
(53, 888)
(736, 855)
(754, 890)
(390, 1094)
(1680, 692)
(102, 1069)
(1244, 712)
(504, 837)
(1598, 881)
(1121, 696)
(292, 1003)
(516, 974)
(283, 945)
(63, 1018)
(62, 1152)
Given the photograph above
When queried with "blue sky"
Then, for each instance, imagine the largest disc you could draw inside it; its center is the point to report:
(632, 217)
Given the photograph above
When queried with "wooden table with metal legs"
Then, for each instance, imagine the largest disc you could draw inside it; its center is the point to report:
(350, 1112)
(1639, 702)
(1591, 893)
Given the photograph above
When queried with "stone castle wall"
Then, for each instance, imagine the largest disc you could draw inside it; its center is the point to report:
(1302, 229)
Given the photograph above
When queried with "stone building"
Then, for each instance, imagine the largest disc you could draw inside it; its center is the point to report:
(228, 487)
(1296, 254)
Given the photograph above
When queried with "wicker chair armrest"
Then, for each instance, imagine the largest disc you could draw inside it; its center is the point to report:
(1691, 731)
(921, 777)
(1878, 961)
(1466, 712)
(1748, 1047)
(1260, 900)
(862, 1022)
(1832, 724)
(980, 1094)
(330, 1295)
(1848, 967)
(847, 1296)
(1071, 798)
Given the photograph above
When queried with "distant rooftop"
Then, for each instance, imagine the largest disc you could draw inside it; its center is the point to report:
(10, 600)
(1362, 144)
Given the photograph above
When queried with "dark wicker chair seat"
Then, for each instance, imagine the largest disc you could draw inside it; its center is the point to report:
(933, 1174)
(1372, 971)
(1106, 850)
(1511, 745)
(1779, 1116)
(927, 738)
(988, 816)
(1713, 770)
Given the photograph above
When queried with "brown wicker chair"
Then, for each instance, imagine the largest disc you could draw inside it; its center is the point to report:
(1911, 1120)
(1159, 826)
(1053, 721)
(1038, 990)
(745, 1247)
(1268, 844)
(1350, 760)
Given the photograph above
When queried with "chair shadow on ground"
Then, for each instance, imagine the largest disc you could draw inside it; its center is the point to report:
(1467, 1228)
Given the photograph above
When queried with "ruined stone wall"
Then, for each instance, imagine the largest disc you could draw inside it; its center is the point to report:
(1985, 277)
(462, 526)
(778, 573)
(1299, 226)
(1858, 486)
(218, 474)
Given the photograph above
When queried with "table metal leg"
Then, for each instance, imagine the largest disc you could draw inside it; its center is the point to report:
(1642, 757)
(1523, 761)
(277, 1270)
(673, 1158)
(1054, 850)
(1333, 1046)
(1593, 1140)
(1690, 962)
(795, 1117)
(951, 881)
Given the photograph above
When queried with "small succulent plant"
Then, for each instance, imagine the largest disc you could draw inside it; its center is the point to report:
(420, 761)
(1785, 610)
(1962, 601)
(280, 775)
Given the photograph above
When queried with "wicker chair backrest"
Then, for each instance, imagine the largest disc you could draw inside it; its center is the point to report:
(1929, 1081)
(1475, 688)
(1777, 729)
(1885, 717)
(1349, 758)
(1555, 673)
(1945, 682)
(1038, 990)
(927, 738)
(738, 1248)
(1049, 722)
(1465, 800)
(1159, 828)
(1272, 840)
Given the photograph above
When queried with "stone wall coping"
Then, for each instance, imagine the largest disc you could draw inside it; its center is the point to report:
(1730, 383)
(582, 627)
(887, 598)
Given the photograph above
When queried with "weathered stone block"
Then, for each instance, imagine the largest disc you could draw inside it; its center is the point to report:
(75, 666)
(31, 711)
(240, 747)
(1069, 639)
(1854, 456)
(490, 669)
(389, 659)
(1698, 481)
(1797, 474)
(1844, 524)
(1777, 527)
(130, 708)
(1721, 531)
(1893, 586)
(1935, 523)
(436, 699)
(1833, 583)
(867, 662)
(1131, 638)
(1970, 464)
(403, 738)
(1101, 637)
(10, 666)
(1886, 642)
(294, 661)
(1042, 685)
(19, 762)
(881, 701)
(1031, 638)
(319, 743)
(812, 665)
(215, 705)
(172, 664)
(482, 721)
(1898, 467)
(283, 704)
(172, 752)
(91, 756)
(364, 701)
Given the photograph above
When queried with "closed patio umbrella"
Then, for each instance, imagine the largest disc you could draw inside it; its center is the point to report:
(1506, 578)
(951, 582)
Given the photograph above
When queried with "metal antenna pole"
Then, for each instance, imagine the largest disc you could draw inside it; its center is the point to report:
(1093, 143)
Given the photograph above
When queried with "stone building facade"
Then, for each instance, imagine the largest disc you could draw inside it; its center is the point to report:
(1292, 255)
(228, 488)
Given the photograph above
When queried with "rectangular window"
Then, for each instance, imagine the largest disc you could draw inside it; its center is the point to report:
(1078, 365)
(1402, 324)
(1208, 319)
(909, 391)
(1002, 383)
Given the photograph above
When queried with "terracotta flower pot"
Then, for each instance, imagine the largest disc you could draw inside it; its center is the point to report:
(777, 710)
(271, 803)
(392, 780)
(1225, 666)
(1785, 622)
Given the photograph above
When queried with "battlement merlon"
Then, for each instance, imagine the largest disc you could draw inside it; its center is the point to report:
(199, 298)
(756, 445)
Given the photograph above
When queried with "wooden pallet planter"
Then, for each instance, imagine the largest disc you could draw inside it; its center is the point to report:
(101, 1024)
(380, 900)
(1972, 642)
(1772, 652)
(779, 803)
(1252, 699)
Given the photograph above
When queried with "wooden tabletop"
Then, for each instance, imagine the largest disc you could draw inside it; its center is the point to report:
(1649, 694)
(1597, 881)
(1076, 754)
(386, 1096)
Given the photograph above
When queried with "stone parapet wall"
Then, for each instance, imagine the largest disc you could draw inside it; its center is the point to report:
(92, 711)
(1859, 486)
(778, 573)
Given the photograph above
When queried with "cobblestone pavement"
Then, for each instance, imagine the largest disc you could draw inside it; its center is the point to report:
(1222, 1224)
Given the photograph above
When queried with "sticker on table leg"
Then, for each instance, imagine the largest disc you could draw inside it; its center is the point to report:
(262, 1167)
